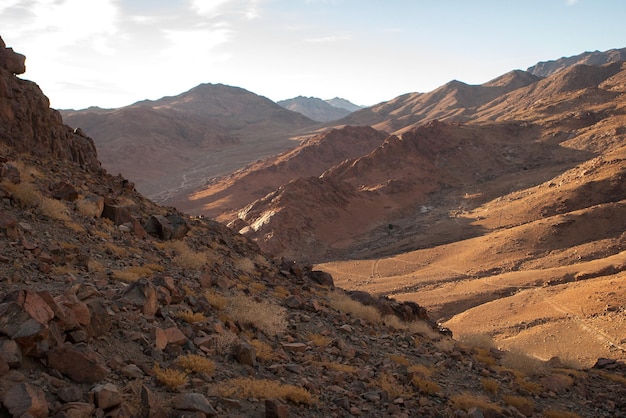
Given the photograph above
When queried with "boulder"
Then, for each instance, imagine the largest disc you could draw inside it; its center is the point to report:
(25, 400)
(167, 227)
(79, 363)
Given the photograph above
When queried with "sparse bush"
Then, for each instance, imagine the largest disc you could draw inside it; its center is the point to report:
(257, 286)
(400, 359)
(340, 367)
(216, 300)
(390, 384)
(88, 208)
(26, 194)
(490, 385)
(484, 356)
(319, 340)
(281, 292)
(553, 413)
(244, 264)
(519, 361)
(54, 209)
(115, 250)
(263, 350)
(186, 257)
(421, 369)
(478, 341)
(191, 317)
(425, 386)
(170, 377)
(524, 405)
(265, 316)
(247, 387)
(467, 401)
(346, 304)
(196, 363)
(224, 341)
(132, 273)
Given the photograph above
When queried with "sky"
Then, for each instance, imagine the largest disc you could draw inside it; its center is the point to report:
(112, 53)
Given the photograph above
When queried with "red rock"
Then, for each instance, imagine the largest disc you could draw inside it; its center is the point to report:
(151, 404)
(175, 336)
(275, 409)
(10, 352)
(106, 396)
(81, 364)
(8, 226)
(295, 347)
(76, 410)
(142, 293)
(25, 400)
(160, 338)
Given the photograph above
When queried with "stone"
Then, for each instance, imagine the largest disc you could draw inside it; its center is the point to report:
(275, 409)
(8, 226)
(79, 363)
(245, 354)
(175, 336)
(169, 227)
(121, 215)
(10, 352)
(64, 191)
(76, 410)
(322, 277)
(106, 396)
(24, 400)
(70, 394)
(142, 294)
(11, 61)
(295, 347)
(160, 338)
(151, 404)
(193, 402)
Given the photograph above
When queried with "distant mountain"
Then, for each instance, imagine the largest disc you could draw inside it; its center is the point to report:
(343, 104)
(546, 68)
(176, 141)
(314, 108)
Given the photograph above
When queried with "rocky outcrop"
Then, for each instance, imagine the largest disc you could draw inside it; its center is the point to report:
(28, 122)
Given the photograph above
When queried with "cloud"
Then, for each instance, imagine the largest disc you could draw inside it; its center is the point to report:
(571, 2)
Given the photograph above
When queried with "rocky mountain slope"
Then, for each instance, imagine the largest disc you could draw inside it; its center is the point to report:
(546, 68)
(177, 141)
(114, 306)
(314, 108)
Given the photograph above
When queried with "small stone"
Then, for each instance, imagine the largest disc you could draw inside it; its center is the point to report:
(175, 336)
(11, 353)
(132, 371)
(275, 409)
(245, 354)
(76, 410)
(106, 396)
(70, 394)
(151, 404)
(295, 347)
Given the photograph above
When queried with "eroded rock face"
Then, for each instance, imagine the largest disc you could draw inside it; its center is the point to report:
(30, 125)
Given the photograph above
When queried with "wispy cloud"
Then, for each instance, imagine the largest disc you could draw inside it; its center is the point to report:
(328, 39)
(571, 2)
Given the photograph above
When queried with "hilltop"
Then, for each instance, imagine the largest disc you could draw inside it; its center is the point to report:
(115, 306)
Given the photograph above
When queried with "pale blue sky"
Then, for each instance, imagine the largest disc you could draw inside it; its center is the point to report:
(111, 53)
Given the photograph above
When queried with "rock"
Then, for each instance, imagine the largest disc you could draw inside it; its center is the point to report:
(91, 206)
(70, 394)
(11, 353)
(160, 338)
(8, 226)
(25, 400)
(167, 227)
(321, 277)
(106, 396)
(101, 322)
(275, 409)
(245, 354)
(121, 215)
(151, 404)
(295, 347)
(142, 293)
(64, 191)
(79, 363)
(175, 336)
(76, 410)
(10, 60)
(193, 402)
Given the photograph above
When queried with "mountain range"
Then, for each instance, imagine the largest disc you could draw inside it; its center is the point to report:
(318, 109)
(112, 305)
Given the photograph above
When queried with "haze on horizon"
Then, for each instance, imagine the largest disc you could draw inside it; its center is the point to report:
(112, 53)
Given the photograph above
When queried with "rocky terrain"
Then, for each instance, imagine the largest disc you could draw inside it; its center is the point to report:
(113, 306)
(546, 68)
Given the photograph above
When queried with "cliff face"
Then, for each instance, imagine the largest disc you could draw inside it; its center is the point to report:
(29, 125)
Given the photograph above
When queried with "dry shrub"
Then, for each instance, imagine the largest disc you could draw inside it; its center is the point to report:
(94, 266)
(191, 317)
(400, 359)
(484, 356)
(196, 363)
(611, 376)
(524, 363)
(247, 387)
(26, 194)
(478, 341)
(170, 377)
(346, 304)
(244, 264)
(186, 257)
(88, 208)
(390, 384)
(532, 387)
(216, 300)
(264, 315)
(263, 350)
(76, 227)
(421, 369)
(54, 209)
(281, 292)
(224, 342)
(490, 385)
(467, 401)
(425, 386)
(257, 286)
(319, 340)
(102, 234)
(553, 413)
(115, 250)
(340, 367)
(132, 273)
(63, 270)
(524, 405)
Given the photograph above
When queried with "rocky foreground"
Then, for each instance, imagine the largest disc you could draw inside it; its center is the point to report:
(112, 306)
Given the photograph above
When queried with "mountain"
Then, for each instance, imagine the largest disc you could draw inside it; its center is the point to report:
(546, 68)
(111, 305)
(314, 108)
(181, 140)
(343, 104)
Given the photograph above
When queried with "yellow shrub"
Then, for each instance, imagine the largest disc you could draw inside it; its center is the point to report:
(467, 401)
(54, 209)
(26, 194)
(319, 340)
(524, 405)
(247, 387)
(191, 317)
(340, 367)
(553, 413)
(263, 350)
(524, 363)
(400, 359)
(216, 300)
(196, 363)
(264, 315)
(490, 385)
(346, 304)
(389, 384)
(421, 370)
(425, 386)
(281, 292)
(170, 377)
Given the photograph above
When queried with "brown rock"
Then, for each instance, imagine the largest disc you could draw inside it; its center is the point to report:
(25, 400)
(70, 394)
(106, 396)
(321, 277)
(167, 227)
(101, 321)
(275, 409)
(175, 336)
(245, 354)
(193, 402)
(79, 363)
(151, 404)
(64, 191)
(10, 352)
(8, 226)
(160, 338)
(142, 293)
(33, 304)
(76, 410)
(295, 347)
